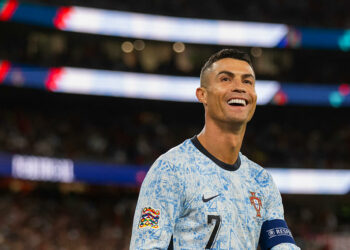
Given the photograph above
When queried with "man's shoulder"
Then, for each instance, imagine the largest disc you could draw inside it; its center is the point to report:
(184, 149)
(177, 156)
(251, 164)
(256, 171)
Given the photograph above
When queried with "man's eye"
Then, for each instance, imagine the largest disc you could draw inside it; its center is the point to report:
(248, 82)
(225, 79)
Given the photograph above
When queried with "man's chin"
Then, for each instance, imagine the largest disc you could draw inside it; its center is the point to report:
(238, 122)
(238, 119)
(235, 123)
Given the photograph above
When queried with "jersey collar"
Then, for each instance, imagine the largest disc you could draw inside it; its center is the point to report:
(229, 167)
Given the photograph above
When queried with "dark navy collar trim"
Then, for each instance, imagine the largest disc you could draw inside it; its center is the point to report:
(221, 164)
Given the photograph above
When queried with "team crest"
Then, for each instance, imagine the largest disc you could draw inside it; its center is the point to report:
(149, 218)
(256, 202)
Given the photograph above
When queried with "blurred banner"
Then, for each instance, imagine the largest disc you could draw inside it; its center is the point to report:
(65, 170)
(173, 29)
(289, 181)
(161, 87)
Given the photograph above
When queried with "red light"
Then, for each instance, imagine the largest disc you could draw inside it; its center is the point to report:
(280, 98)
(53, 76)
(140, 176)
(60, 20)
(344, 89)
(8, 10)
(4, 69)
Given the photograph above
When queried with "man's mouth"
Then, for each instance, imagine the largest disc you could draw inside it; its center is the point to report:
(237, 102)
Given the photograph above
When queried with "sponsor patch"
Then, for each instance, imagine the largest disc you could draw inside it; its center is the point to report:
(149, 218)
(279, 231)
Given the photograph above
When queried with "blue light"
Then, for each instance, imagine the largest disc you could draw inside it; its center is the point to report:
(336, 99)
(344, 41)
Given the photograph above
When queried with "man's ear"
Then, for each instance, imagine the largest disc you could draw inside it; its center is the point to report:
(201, 94)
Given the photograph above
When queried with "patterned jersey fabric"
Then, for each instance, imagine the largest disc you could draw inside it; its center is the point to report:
(203, 203)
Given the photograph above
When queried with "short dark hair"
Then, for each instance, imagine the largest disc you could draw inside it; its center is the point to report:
(225, 53)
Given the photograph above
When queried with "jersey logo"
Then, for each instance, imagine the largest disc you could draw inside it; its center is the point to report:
(210, 198)
(256, 202)
(149, 218)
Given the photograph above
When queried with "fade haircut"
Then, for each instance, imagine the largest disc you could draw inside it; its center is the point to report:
(225, 53)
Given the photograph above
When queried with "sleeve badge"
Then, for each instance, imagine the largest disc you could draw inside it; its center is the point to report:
(149, 218)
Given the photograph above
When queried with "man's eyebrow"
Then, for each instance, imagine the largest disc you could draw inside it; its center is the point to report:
(248, 75)
(232, 74)
(226, 72)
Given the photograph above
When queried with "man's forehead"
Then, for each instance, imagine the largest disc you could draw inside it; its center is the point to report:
(232, 65)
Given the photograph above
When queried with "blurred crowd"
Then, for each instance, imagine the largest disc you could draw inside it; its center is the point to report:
(137, 132)
(50, 220)
(324, 13)
(137, 139)
(53, 221)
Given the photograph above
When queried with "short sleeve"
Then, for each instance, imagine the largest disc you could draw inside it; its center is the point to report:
(277, 229)
(274, 208)
(158, 207)
(285, 246)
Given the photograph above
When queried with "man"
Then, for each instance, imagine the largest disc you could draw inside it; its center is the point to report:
(204, 194)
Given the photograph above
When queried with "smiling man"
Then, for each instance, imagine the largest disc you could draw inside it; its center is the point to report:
(205, 194)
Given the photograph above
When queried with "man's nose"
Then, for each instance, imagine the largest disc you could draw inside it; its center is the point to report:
(239, 90)
(238, 86)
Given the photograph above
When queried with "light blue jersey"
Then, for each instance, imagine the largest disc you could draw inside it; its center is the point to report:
(202, 203)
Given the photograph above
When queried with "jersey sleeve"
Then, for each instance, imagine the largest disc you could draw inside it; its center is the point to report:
(285, 246)
(274, 208)
(275, 231)
(158, 207)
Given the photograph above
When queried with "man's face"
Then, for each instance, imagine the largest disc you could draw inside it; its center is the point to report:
(229, 93)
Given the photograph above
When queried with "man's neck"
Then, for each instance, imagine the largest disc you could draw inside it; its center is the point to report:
(223, 142)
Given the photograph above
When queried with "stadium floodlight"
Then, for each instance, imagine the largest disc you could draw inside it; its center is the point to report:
(114, 83)
(311, 181)
(173, 29)
(162, 87)
(145, 86)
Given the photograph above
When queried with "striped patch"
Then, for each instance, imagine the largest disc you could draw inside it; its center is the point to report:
(149, 218)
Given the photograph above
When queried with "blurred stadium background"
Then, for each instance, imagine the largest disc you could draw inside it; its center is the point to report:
(93, 91)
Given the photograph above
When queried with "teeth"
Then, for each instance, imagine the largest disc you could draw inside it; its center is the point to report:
(237, 101)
